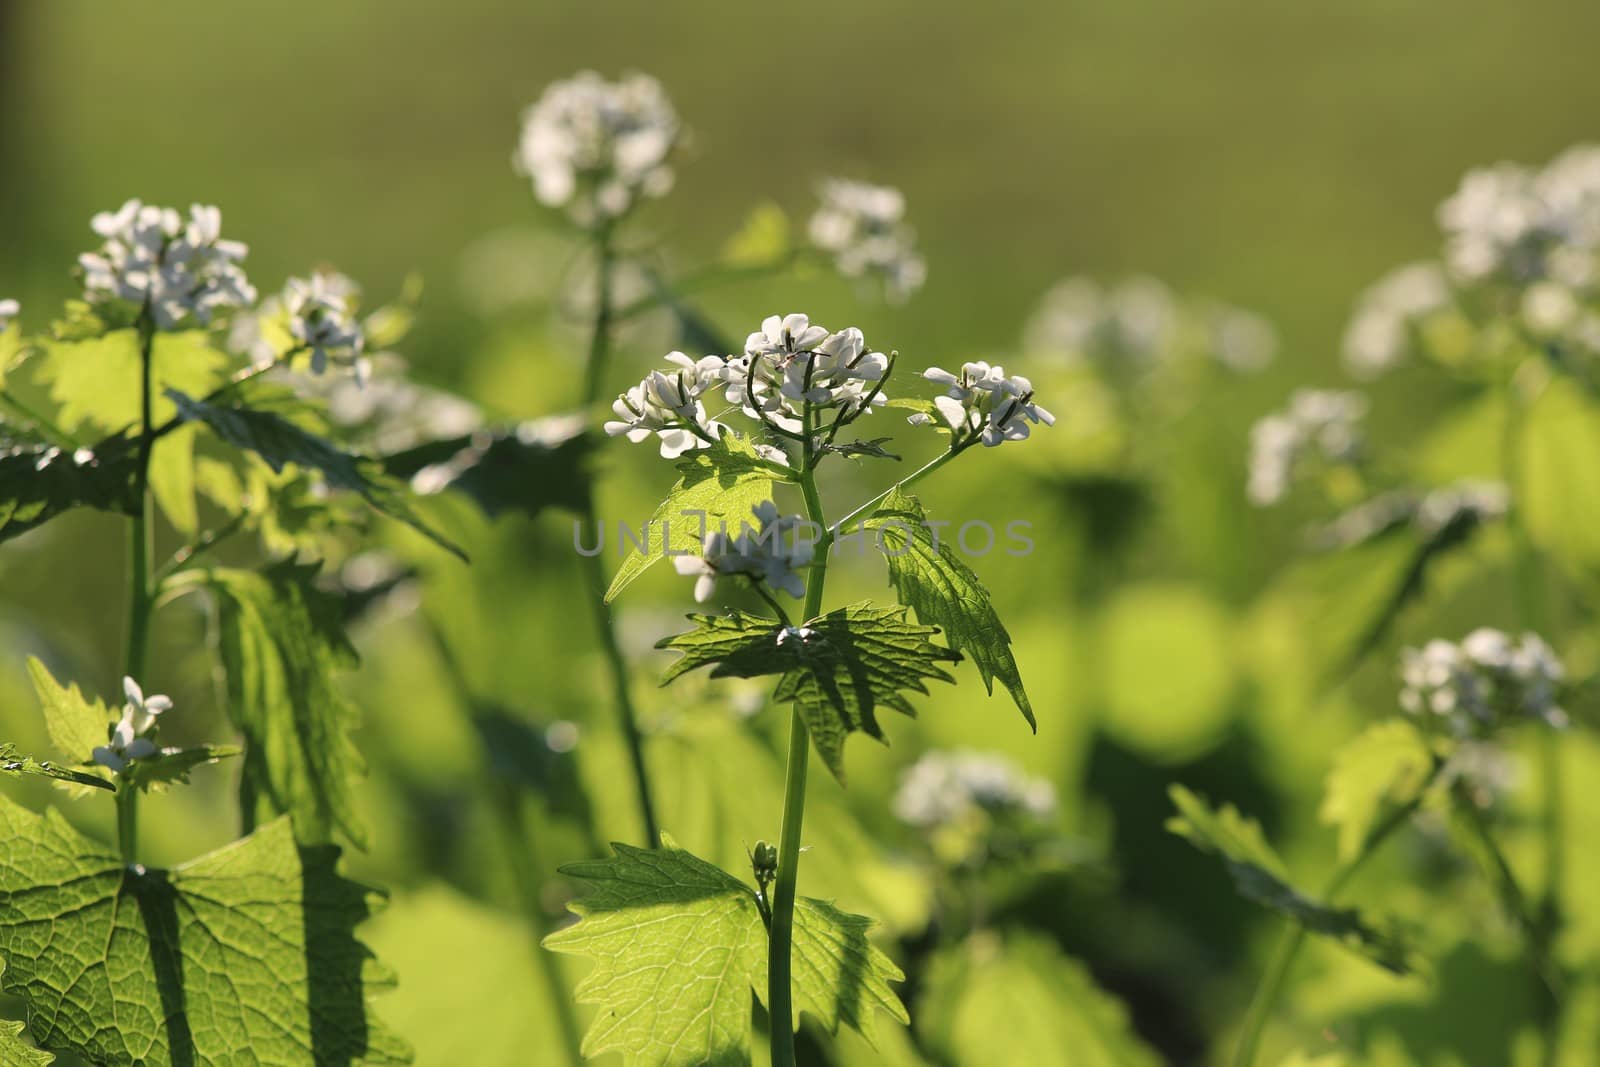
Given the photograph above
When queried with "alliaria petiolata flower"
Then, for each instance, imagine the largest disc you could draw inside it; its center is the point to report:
(183, 272)
(1320, 425)
(943, 788)
(1381, 333)
(8, 311)
(596, 147)
(322, 319)
(669, 404)
(863, 227)
(790, 363)
(1486, 680)
(771, 550)
(127, 740)
(982, 403)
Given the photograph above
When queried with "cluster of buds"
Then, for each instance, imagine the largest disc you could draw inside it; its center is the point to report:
(1319, 426)
(182, 272)
(1389, 315)
(596, 147)
(983, 404)
(772, 551)
(1486, 680)
(128, 741)
(863, 227)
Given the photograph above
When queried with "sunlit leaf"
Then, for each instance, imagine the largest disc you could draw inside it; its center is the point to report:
(13, 762)
(14, 1052)
(1382, 769)
(97, 382)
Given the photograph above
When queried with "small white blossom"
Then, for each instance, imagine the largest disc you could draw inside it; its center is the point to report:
(771, 551)
(322, 318)
(669, 405)
(1485, 679)
(127, 741)
(943, 788)
(790, 363)
(1380, 334)
(1319, 425)
(984, 403)
(181, 271)
(863, 227)
(596, 147)
(8, 311)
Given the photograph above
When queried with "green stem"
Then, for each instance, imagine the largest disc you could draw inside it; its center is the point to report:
(604, 315)
(1277, 972)
(904, 483)
(780, 948)
(139, 591)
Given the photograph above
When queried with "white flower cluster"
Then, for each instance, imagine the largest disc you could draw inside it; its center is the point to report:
(669, 404)
(322, 318)
(944, 788)
(1519, 224)
(596, 147)
(1319, 425)
(127, 740)
(1138, 324)
(863, 227)
(772, 551)
(790, 363)
(982, 403)
(182, 271)
(1387, 316)
(1487, 679)
(8, 311)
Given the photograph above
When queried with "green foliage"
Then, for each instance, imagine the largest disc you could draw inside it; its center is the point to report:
(15, 1053)
(1381, 770)
(722, 483)
(172, 479)
(837, 668)
(933, 581)
(97, 381)
(280, 442)
(1561, 483)
(1259, 874)
(762, 238)
(13, 762)
(39, 482)
(663, 920)
(172, 765)
(76, 724)
(246, 955)
(526, 468)
(280, 641)
(1015, 999)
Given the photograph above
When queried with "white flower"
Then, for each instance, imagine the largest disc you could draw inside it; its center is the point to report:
(322, 318)
(182, 272)
(790, 363)
(943, 788)
(1319, 425)
(8, 311)
(596, 147)
(1387, 315)
(1487, 678)
(669, 405)
(984, 403)
(127, 741)
(863, 227)
(771, 551)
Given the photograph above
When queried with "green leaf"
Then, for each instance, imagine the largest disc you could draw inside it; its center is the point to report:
(39, 482)
(1259, 874)
(837, 668)
(679, 945)
(1015, 999)
(527, 468)
(172, 480)
(97, 381)
(12, 762)
(15, 1052)
(1382, 769)
(280, 641)
(76, 724)
(762, 238)
(172, 765)
(873, 448)
(280, 442)
(719, 484)
(1560, 493)
(932, 580)
(246, 955)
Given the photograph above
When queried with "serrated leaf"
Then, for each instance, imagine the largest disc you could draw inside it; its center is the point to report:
(76, 724)
(527, 467)
(1259, 874)
(722, 483)
(1383, 768)
(933, 581)
(1053, 1013)
(280, 641)
(16, 1053)
(97, 381)
(837, 668)
(280, 442)
(873, 448)
(679, 945)
(13, 762)
(246, 955)
(172, 765)
(39, 482)
(172, 480)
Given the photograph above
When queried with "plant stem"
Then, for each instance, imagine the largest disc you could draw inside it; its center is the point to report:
(139, 591)
(904, 483)
(593, 568)
(1277, 972)
(779, 949)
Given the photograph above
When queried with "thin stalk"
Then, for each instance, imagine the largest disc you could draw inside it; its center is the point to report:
(1277, 972)
(593, 569)
(904, 483)
(779, 999)
(139, 591)
(56, 434)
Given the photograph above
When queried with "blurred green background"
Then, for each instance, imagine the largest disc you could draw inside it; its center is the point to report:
(1279, 157)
